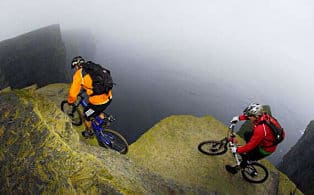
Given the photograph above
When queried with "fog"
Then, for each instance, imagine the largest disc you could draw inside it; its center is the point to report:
(257, 50)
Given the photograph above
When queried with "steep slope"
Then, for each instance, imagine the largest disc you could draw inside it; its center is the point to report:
(298, 163)
(41, 152)
(37, 57)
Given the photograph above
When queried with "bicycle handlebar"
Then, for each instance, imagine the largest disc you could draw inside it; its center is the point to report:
(232, 125)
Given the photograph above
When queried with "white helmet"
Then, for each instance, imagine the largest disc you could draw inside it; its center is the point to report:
(253, 109)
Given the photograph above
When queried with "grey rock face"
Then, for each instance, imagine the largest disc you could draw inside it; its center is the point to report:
(37, 57)
(298, 163)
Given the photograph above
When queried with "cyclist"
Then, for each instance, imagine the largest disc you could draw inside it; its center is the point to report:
(97, 103)
(259, 141)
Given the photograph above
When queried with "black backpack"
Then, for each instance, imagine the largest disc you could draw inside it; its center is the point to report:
(102, 80)
(277, 130)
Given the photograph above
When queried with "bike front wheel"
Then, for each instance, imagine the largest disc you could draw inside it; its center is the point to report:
(113, 140)
(73, 112)
(255, 173)
(212, 147)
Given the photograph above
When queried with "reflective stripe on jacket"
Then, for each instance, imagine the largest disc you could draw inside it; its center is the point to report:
(86, 82)
(262, 136)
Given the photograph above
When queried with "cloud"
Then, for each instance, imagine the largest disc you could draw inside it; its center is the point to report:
(263, 47)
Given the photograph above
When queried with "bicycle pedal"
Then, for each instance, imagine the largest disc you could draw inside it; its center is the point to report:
(111, 118)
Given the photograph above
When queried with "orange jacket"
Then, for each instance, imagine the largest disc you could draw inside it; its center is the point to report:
(86, 82)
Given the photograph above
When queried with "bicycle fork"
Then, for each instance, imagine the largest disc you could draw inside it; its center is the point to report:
(232, 145)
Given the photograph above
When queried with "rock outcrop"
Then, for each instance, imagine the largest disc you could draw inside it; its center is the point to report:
(170, 150)
(298, 163)
(37, 57)
(42, 153)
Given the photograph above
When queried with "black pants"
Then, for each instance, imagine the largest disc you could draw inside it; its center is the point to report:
(92, 110)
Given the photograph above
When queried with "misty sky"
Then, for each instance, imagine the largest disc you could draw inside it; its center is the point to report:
(264, 48)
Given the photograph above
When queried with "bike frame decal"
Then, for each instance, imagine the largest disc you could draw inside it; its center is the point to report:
(89, 112)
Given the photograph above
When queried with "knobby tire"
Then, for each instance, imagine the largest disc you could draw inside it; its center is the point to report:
(249, 174)
(212, 147)
(118, 144)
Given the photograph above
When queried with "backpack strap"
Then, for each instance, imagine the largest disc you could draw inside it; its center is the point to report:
(83, 74)
(264, 122)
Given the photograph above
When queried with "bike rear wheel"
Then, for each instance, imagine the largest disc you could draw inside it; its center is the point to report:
(212, 147)
(73, 112)
(255, 173)
(113, 140)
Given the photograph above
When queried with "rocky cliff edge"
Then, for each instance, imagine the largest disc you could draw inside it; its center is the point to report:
(41, 152)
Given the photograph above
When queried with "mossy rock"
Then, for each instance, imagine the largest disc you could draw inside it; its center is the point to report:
(42, 153)
(170, 150)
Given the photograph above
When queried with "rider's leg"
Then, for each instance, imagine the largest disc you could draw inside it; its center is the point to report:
(92, 111)
(89, 112)
(88, 125)
(253, 155)
(88, 129)
(102, 114)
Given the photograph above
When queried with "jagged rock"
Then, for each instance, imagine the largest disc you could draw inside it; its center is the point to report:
(42, 153)
(298, 163)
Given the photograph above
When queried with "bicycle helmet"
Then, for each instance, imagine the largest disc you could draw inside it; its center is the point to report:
(253, 109)
(77, 61)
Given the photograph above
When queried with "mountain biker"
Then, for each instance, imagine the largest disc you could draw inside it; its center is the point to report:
(259, 141)
(97, 103)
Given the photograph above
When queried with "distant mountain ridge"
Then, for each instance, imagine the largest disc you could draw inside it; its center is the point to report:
(298, 163)
(37, 57)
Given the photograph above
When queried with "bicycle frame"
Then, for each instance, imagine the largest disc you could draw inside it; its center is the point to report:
(218, 147)
(96, 122)
(233, 142)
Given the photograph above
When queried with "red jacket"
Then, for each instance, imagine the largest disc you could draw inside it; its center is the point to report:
(262, 136)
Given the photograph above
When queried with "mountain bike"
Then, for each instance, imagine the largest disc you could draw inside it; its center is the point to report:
(106, 137)
(254, 172)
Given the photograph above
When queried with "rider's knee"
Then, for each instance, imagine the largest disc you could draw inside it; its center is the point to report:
(102, 115)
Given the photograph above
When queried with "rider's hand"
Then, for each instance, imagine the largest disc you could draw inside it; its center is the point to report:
(235, 119)
(234, 149)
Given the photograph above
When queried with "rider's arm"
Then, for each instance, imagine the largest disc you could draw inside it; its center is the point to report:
(256, 139)
(75, 87)
(242, 118)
